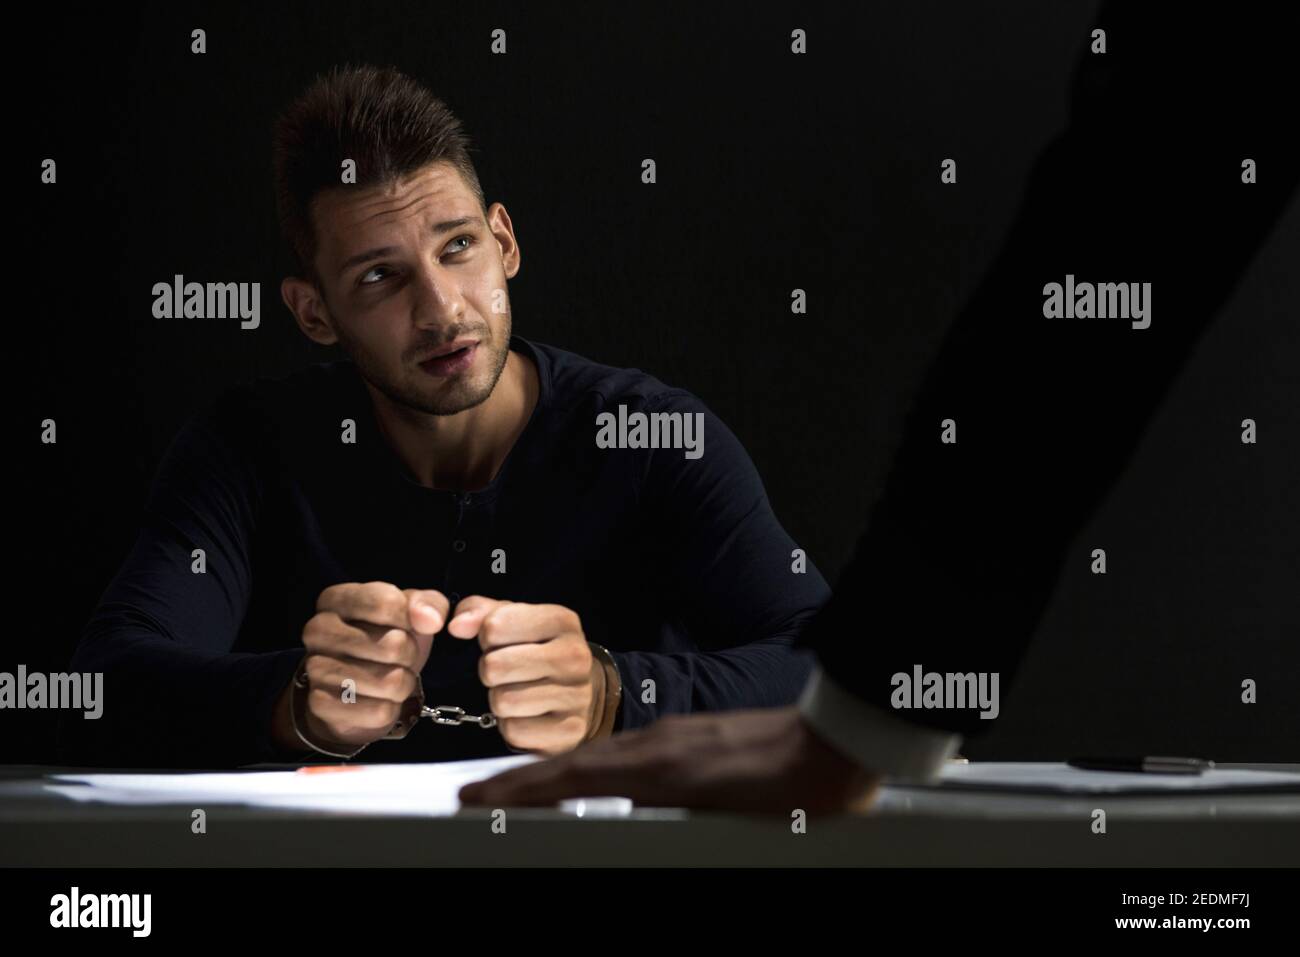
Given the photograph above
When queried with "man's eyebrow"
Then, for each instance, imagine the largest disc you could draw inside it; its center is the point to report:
(382, 251)
(451, 224)
(366, 256)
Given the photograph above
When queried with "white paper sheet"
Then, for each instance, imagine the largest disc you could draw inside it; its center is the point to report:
(426, 790)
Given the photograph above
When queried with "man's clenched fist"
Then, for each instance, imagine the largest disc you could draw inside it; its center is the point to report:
(544, 686)
(376, 635)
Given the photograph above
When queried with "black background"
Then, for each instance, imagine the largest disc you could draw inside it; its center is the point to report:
(775, 172)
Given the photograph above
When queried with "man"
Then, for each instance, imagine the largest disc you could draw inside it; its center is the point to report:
(596, 545)
(1150, 182)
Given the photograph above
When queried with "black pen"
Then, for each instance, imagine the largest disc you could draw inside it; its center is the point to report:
(1148, 765)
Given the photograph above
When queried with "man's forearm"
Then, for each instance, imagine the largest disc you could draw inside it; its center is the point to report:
(170, 706)
(764, 674)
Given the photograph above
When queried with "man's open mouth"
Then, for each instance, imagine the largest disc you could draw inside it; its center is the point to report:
(452, 361)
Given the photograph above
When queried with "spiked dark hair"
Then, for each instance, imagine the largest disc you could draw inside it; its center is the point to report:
(387, 123)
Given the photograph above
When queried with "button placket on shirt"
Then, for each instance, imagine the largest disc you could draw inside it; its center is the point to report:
(458, 544)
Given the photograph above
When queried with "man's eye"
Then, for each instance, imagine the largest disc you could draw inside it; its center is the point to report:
(367, 281)
(468, 240)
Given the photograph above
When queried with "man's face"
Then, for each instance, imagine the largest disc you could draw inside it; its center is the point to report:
(413, 280)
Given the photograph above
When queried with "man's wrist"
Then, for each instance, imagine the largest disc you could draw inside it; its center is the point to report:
(298, 718)
(605, 710)
(283, 740)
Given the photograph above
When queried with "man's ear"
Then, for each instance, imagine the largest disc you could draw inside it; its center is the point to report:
(308, 308)
(503, 230)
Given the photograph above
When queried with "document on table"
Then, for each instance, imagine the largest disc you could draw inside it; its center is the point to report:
(1054, 778)
(427, 790)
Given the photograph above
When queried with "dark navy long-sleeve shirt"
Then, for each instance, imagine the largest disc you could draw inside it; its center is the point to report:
(677, 565)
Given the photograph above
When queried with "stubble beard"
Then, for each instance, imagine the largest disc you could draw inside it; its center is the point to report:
(461, 394)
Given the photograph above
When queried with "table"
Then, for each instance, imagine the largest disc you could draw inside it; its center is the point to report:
(910, 827)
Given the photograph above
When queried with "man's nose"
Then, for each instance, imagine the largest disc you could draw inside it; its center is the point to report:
(437, 299)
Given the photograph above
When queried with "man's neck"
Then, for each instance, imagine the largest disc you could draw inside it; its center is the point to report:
(466, 450)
